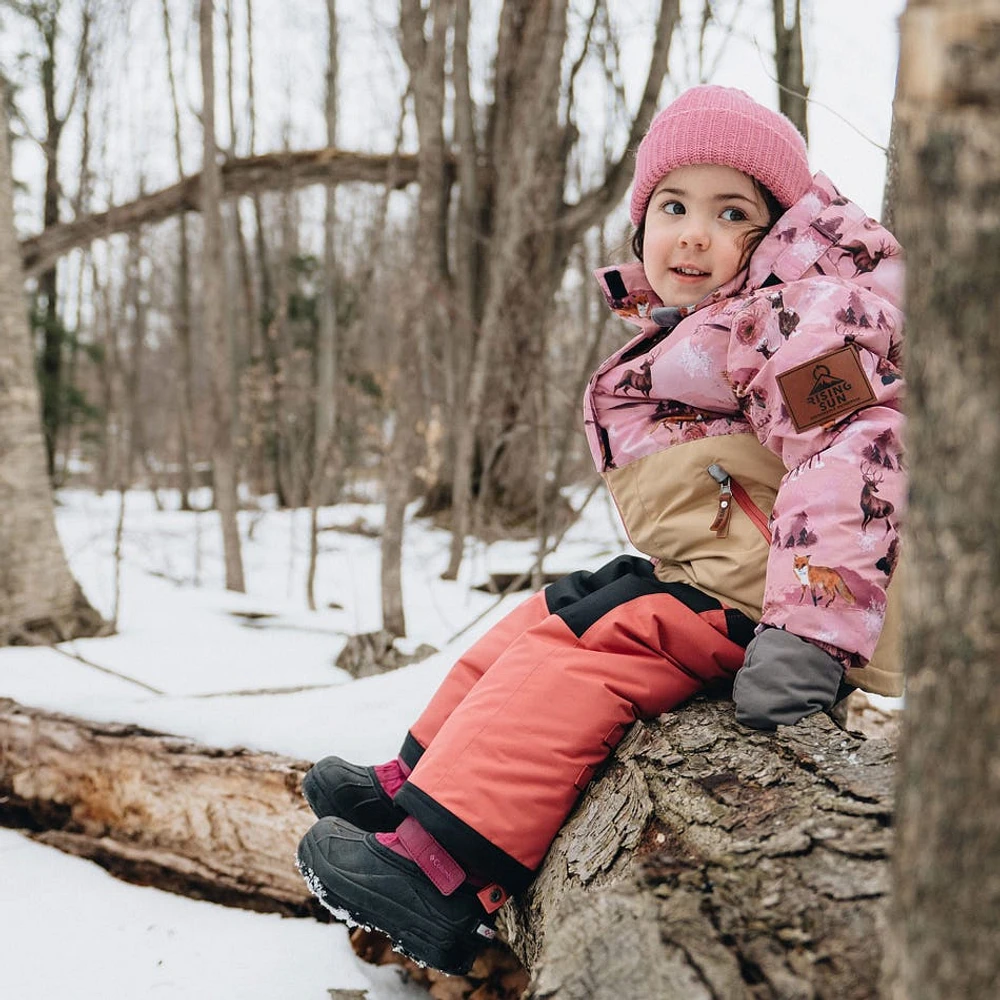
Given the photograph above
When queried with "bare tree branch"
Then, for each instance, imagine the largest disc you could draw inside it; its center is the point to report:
(593, 206)
(581, 59)
(268, 172)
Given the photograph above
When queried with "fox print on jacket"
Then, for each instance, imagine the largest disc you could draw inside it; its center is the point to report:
(752, 442)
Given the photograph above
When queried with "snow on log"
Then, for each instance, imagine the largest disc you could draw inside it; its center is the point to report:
(707, 862)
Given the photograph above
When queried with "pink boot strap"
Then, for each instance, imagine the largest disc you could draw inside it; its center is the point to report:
(430, 857)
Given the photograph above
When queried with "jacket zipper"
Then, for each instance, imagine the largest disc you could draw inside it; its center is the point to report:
(729, 491)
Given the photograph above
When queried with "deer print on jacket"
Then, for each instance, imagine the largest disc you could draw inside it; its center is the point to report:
(641, 380)
(873, 507)
(866, 259)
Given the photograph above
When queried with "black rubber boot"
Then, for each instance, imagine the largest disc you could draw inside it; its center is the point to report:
(361, 881)
(335, 787)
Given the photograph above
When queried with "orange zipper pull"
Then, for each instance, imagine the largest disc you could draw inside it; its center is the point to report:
(725, 510)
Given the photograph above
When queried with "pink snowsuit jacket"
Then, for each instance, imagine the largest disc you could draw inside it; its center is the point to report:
(753, 449)
(788, 380)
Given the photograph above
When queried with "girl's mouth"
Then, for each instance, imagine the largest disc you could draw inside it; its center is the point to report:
(689, 272)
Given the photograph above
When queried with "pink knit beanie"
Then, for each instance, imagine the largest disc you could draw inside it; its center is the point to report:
(725, 126)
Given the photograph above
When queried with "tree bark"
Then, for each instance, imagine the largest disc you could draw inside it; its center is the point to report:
(209, 823)
(326, 349)
(525, 135)
(136, 324)
(39, 599)
(73, 395)
(321, 488)
(705, 862)
(947, 890)
(711, 863)
(890, 190)
(214, 327)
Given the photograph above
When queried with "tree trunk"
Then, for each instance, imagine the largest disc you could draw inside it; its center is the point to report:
(793, 92)
(109, 374)
(947, 890)
(39, 599)
(530, 234)
(54, 334)
(321, 489)
(411, 383)
(214, 328)
(182, 322)
(705, 862)
(74, 395)
(326, 352)
(135, 323)
(241, 309)
(527, 137)
(890, 190)
(213, 824)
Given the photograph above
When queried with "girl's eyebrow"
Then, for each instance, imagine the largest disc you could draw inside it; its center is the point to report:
(680, 192)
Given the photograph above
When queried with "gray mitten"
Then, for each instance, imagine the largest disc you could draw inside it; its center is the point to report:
(784, 679)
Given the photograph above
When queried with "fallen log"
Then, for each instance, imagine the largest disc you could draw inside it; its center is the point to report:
(714, 863)
(157, 809)
(707, 862)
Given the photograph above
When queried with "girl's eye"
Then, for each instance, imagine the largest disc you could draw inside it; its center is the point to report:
(673, 208)
(734, 215)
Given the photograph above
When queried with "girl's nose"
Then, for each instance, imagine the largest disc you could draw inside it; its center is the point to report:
(694, 233)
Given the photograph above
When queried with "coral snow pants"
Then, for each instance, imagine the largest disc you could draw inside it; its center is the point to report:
(518, 726)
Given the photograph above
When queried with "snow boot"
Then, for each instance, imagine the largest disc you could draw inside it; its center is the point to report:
(354, 874)
(360, 795)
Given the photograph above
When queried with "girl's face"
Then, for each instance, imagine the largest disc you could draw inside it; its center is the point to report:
(697, 222)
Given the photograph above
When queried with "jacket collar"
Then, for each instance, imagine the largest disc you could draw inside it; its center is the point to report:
(821, 220)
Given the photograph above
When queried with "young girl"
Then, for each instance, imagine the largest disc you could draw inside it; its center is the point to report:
(750, 435)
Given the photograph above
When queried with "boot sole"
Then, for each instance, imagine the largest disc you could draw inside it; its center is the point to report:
(397, 925)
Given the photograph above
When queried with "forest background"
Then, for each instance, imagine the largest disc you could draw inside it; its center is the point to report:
(275, 369)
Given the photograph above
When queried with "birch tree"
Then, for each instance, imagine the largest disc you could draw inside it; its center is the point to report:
(39, 598)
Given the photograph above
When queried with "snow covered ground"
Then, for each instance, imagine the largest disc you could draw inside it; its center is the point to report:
(69, 929)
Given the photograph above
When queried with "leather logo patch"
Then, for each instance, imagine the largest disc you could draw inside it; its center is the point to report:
(825, 389)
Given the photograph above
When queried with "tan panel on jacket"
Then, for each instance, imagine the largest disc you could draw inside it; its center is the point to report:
(667, 503)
